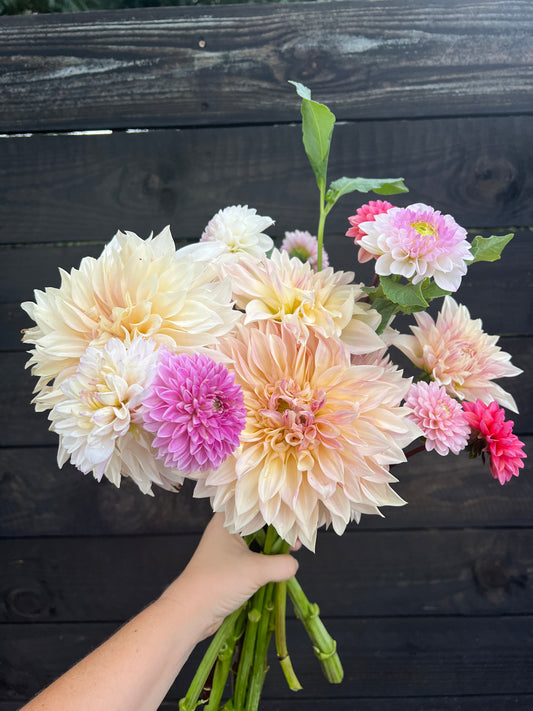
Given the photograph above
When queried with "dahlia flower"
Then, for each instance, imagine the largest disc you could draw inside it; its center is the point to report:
(417, 242)
(492, 434)
(304, 245)
(319, 438)
(459, 355)
(365, 213)
(196, 411)
(98, 416)
(289, 291)
(239, 229)
(136, 288)
(439, 416)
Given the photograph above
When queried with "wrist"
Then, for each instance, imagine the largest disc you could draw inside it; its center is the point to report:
(189, 607)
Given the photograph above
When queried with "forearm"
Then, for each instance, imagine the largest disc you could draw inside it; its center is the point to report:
(133, 670)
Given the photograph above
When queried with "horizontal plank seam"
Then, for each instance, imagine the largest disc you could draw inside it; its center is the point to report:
(20, 133)
(198, 531)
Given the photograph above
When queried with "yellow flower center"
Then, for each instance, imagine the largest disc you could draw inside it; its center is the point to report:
(424, 229)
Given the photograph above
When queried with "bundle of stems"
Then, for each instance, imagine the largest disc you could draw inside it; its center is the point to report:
(239, 650)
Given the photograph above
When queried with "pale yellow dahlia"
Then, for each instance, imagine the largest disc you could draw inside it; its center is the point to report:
(136, 288)
(290, 291)
(320, 435)
(459, 355)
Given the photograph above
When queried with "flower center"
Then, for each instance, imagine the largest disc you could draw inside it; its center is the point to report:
(291, 410)
(424, 229)
(300, 252)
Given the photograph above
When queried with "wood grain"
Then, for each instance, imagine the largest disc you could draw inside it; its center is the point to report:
(231, 64)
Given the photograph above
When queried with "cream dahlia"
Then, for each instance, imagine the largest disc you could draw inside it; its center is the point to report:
(304, 245)
(417, 242)
(98, 417)
(289, 291)
(239, 229)
(459, 355)
(439, 416)
(320, 435)
(136, 288)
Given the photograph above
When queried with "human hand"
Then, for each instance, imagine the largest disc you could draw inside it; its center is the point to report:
(223, 573)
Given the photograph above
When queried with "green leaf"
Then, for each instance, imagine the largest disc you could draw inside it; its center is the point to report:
(317, 129)
(430, 291)
(386, 309)
(405, 295)
(382, 186)
(488, 249)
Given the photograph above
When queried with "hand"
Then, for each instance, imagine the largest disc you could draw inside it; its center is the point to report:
(223, 573)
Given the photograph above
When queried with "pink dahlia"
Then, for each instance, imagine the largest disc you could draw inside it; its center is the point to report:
(195, 410)
(319, 438)
(365, 213)
(459, 355)
(417, 242)
(492, 434)
(439, 416)
(304, 246)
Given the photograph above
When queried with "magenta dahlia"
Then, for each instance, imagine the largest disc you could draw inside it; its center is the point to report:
(493, 434)
(195, 410)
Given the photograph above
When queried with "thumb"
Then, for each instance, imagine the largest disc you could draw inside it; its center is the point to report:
(275, 568)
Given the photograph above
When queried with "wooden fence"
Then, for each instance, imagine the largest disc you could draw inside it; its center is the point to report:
(138, 119)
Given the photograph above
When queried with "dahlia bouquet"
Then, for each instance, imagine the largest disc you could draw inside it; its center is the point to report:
(266, 377)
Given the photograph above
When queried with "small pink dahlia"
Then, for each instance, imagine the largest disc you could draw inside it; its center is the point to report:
(366, 213)
(417, 242)
(439, 416)
(493, 434)
(304, 245)
(195, 410)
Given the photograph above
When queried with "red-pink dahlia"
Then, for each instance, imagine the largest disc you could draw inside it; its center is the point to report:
(366, 213)
(493, 434)
(195, 410)
(439, 416)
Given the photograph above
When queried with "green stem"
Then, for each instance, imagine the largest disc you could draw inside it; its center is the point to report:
(324, 645)
(321, 223)
(248, 648)
(280, 604)
(190, 701)
(223, 664)
(260, 667)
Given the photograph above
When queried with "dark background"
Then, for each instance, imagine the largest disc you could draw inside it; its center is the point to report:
(432, 605)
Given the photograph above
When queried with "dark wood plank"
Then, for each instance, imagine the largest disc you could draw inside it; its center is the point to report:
(413, 657)
(38, 499)
(84, 188)
(183, 66)
(467, 572)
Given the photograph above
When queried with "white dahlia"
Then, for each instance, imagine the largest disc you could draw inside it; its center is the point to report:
(320, 435)
(288, 290)
(135, 288)
(99, 419)
(241, 232)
